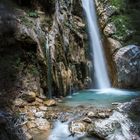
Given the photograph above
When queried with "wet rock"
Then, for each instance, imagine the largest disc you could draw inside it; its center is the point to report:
(127, 60)
(103, 115)
(87, 120)
(50, 102)
(91, 114)
(77, 128)
(117, 126)
(115, 103)
(42, 124)
(104, 130)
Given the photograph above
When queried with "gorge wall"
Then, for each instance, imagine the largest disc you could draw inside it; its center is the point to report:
(27, 27)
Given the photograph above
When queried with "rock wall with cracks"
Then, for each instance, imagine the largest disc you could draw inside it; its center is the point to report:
(68, 49)
(25, 62)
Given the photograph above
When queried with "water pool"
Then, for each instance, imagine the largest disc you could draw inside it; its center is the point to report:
(100, 97)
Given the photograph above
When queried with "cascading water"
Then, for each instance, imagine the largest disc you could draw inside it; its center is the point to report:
(49, 68)
(96, 45)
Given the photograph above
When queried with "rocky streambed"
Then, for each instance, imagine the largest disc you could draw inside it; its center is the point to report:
(43, 119)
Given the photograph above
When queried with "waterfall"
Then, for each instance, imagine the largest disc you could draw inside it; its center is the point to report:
(102, 79)
(49, 80)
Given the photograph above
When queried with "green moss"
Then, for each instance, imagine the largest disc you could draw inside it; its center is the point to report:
(123, 26)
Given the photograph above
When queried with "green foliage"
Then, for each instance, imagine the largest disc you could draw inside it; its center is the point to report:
(123, 26)
(118, 4)
(33, 14)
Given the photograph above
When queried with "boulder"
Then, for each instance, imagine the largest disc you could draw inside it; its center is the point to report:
(42, 124)
(29, 96)
(40, 114)
(50, 102)
(114, 45)
(19, 102)
(127, 61)
(87, 120)
(91, 114)
(77, 128)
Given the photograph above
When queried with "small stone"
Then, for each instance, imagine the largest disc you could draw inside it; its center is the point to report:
(87, 120)
(115, 103)
(19, 102)
(30, 96)
(43, 108)
(80, 24)
(40, 114)
(50, 102)
(39, 100)
(91, 114)
(103, 114)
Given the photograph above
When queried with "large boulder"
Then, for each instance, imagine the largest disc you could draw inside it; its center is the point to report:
(127, 60)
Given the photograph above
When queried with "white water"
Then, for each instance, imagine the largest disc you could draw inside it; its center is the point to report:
(61, 132)
(119, 126)
(95, 42)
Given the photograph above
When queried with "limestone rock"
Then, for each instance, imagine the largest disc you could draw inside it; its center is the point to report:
(42, 124)
(110, 29)
(77, 128)
(87, 120)
(114, 45)
(19, 102)
(127, 60)
(91, 114)
(40, 114)
(50, 102)
(29, 96)
(43, 108)
(31, 125)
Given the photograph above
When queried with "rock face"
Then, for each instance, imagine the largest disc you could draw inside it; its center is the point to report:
(128, 66)
(117, 26)
(24, 61)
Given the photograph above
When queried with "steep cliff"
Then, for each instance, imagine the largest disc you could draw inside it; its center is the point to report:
(31, 29)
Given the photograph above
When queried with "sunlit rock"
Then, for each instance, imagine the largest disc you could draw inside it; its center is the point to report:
(50, 102)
